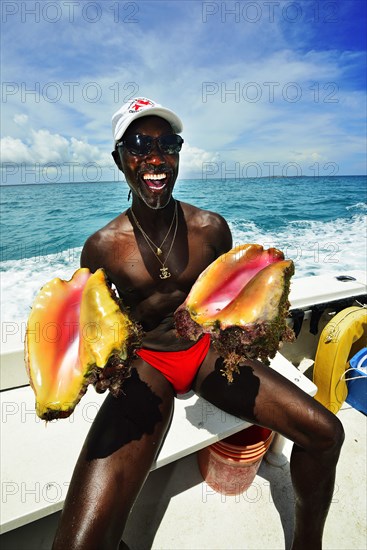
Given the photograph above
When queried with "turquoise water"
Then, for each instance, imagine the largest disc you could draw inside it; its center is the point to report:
(319, 222)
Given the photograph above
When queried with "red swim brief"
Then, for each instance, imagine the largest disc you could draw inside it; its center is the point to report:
(179, 367)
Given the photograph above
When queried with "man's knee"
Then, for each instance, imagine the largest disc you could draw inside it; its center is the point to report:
(339, 434)
(331, 436)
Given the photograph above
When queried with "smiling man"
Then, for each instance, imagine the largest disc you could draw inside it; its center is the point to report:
(153, 253)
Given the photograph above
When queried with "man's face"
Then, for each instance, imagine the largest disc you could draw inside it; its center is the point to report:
(151, 177)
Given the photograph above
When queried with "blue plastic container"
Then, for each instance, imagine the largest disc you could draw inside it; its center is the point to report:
(357, 387)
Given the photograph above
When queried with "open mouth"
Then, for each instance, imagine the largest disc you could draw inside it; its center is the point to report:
(155, 182)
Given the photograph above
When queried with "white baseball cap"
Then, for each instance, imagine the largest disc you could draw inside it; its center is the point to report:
(137, 108)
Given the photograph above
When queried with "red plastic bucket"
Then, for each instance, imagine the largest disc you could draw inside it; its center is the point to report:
(230, 466)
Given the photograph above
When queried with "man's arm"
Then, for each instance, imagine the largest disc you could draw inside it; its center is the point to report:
(90, 254)
(225, 241)
(216, 227)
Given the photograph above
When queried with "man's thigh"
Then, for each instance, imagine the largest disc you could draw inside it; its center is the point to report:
(140, 415)
(262, 396)
(115, 460)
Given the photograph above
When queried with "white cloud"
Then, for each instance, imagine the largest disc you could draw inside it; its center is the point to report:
(47, 147)
(43, 147)
(21, 119)
(14, 150)
(82, 151)
(192, 160)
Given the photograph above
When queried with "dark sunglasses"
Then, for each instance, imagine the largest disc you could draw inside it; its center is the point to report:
(140, 144)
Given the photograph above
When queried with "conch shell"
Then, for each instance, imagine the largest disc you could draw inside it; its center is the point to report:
(241, 300)
(77, 335)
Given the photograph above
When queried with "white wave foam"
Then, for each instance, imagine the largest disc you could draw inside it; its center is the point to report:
(315, 247)
(358, 206)
(22, 279)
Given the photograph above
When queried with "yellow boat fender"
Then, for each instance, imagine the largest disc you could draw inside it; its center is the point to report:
(341, 338)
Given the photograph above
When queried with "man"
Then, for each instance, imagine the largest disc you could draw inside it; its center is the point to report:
(153, 253)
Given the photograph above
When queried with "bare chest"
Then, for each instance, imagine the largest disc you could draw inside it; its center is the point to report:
(154, 286)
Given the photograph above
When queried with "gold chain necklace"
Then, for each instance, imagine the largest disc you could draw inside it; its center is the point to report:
(164, 273)
(158, 251)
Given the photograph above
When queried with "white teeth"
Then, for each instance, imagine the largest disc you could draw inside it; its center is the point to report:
(154, 176)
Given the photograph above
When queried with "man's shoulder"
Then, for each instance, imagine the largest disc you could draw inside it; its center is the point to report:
(206, 222)
(208, 226)
(202, 216)
(101, 240)
(108, 231)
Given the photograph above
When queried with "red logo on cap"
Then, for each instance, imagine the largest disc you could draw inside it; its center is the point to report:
(139, 104)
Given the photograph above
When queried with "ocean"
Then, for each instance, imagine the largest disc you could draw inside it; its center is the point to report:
(318, 222)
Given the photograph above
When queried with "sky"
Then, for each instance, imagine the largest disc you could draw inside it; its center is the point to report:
(264, 87)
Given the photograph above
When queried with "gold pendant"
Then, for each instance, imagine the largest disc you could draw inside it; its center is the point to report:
(165, 274)
(159, 251)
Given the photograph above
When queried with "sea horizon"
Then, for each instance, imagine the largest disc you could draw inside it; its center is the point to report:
(274, 176)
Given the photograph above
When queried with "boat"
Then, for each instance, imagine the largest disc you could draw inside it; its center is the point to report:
(176, 509)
